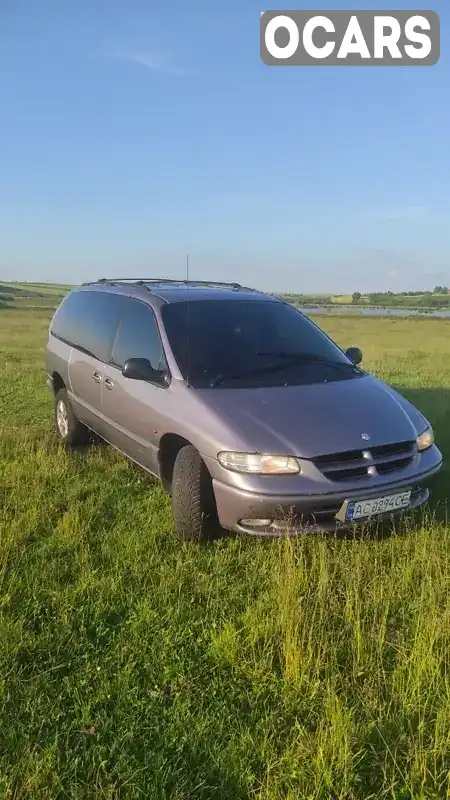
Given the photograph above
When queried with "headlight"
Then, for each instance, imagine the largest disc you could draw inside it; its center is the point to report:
(426, 439)
(257, 464)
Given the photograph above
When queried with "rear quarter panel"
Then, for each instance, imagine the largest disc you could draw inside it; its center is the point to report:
(57, 357)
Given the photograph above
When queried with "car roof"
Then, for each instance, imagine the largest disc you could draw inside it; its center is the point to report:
(172, 291)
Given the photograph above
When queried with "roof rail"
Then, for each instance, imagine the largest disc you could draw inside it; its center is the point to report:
(175, 281)
(138, 281)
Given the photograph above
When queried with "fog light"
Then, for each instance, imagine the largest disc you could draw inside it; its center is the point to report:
(256, 523)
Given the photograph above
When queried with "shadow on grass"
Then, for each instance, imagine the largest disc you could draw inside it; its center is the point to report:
(434, 404)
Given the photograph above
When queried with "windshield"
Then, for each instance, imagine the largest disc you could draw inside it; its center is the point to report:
(251, 343)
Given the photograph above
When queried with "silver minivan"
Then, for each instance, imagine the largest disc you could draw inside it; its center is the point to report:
(254, 420)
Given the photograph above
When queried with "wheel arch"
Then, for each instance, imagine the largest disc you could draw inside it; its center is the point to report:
(57, 382)
(169, 447)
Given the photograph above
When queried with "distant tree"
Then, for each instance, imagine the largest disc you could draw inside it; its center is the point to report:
(440, 290)
(356, 297)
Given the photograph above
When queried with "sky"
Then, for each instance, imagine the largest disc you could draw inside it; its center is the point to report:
(134, 132)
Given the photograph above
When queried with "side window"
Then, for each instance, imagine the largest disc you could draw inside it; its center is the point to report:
(89, 321)
(138, 337)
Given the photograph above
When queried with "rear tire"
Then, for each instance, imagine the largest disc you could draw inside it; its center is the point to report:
(68, 428)
(193, 501)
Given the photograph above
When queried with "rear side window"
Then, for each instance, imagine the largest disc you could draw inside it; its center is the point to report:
(138, 337)
(89, 321)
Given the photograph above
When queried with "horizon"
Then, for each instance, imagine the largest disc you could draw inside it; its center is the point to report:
(132, 135)
(429, 290)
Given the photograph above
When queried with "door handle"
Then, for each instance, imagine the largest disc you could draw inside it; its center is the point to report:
(109, 383)
(97, 377)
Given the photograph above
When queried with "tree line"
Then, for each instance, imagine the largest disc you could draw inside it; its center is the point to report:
(437, 298)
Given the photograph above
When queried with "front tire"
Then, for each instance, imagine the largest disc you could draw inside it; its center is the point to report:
(69, 430)
(193, 502)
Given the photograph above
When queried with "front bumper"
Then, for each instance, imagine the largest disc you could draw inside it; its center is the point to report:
(296, 513)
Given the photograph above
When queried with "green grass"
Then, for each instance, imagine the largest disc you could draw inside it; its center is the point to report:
(344, 299)
(133, 665)
(40, 288)
(31, 295)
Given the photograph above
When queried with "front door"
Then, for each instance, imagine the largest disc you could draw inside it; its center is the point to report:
(133, 410)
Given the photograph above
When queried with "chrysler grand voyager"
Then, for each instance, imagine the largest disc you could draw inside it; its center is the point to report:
(253, 419)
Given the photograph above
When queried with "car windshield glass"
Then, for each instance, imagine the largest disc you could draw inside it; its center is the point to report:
(250, 343)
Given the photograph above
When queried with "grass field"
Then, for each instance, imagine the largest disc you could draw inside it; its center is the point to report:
(37, 288)
(133, 665)
(31, 295)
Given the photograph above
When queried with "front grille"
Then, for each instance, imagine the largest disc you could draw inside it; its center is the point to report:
(354, 464)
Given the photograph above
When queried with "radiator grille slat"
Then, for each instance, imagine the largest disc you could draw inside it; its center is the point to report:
(354, 464)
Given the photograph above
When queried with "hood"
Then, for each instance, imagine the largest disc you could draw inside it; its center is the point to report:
(308, 421)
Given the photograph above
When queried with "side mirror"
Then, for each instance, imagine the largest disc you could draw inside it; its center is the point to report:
(355, 355)
(140, 369)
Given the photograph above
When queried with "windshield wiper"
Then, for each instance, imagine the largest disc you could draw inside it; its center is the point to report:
(305, 358)
(288, 359)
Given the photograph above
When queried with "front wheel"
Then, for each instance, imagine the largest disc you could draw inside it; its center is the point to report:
(193, 502)
(72, 432)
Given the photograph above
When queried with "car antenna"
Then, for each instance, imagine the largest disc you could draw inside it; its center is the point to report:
(187, 319)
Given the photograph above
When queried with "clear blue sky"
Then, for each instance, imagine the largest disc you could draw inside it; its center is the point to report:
(134, 131)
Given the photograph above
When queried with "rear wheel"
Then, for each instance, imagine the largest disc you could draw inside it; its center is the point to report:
(193, 502)
(72, 432)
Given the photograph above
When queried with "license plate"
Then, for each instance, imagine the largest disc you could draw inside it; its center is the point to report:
(362, 509)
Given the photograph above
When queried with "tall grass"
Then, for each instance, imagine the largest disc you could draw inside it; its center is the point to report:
(134, 665)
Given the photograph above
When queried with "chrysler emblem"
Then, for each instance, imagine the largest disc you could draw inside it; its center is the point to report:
(365, 436)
